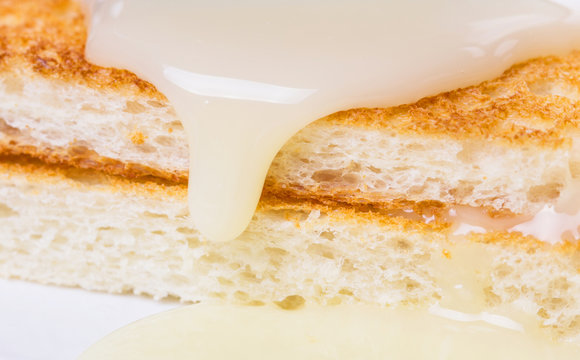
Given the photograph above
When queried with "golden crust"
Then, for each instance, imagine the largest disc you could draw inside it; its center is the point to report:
(47, 37)
(365, 203)
(152, 187)
(532, 103)
(37, 171)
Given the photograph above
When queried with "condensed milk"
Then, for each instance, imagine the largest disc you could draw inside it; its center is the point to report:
(245, 76)
(337, 332)
(460, 325)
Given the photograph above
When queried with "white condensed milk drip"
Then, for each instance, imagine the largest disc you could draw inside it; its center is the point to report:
(244, 76)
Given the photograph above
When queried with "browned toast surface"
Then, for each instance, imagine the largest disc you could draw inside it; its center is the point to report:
(48, 37)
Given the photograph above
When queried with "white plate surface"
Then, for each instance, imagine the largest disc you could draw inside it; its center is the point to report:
(44, 322)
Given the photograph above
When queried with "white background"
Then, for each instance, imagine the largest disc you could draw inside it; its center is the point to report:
(45, 322)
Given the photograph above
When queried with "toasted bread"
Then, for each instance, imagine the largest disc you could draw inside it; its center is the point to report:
(74, 227)
(59, 108)
(94, 165)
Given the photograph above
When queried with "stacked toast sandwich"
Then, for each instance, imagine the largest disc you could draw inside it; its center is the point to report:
(360, 206)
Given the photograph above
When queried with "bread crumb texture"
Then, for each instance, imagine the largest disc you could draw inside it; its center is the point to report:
(337, 241)
(137, 137)
(74, 227)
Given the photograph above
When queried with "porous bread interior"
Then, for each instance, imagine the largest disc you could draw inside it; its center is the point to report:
(361, 165)
(328, 159)
(69, 121)
(47, 239)
(101, 233)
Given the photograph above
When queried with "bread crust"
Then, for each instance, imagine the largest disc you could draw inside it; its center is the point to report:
(47, 38)
(387, 216)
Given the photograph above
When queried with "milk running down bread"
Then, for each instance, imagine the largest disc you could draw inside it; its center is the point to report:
(245, 78)
(136, 239)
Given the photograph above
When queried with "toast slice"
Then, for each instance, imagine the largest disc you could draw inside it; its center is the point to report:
(507, 145)
(94, 167)
(72, 227)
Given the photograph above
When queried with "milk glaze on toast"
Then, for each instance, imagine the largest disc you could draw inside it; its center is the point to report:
(532, 106)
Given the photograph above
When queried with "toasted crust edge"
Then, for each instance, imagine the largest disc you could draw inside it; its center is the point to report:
(37, 172)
